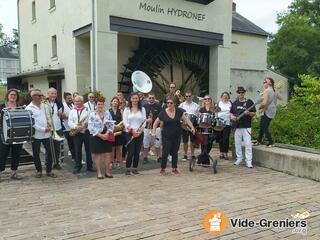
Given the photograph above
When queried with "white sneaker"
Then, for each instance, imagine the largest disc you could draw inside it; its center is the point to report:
(237, 162)
(249, 165)
(83, 161)
(170, 158)
(151, 153)
(69, 153)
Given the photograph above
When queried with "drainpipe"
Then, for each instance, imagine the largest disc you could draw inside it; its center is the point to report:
(93, 40)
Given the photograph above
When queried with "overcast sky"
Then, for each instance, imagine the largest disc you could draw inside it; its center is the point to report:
(261, 12)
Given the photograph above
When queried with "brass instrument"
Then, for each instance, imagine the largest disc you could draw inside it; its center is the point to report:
(150, 124)
(75, 131)
(179, 94)
(184, 123)
(50, 120)
(118, 129)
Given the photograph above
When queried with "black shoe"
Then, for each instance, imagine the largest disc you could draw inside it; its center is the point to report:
(90, 170)
(76, 171)
(108, 176)
(99, 177)
(57, 166)
(145, 160)
(135, 172)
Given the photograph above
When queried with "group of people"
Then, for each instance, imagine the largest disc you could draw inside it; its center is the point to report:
(133, 126)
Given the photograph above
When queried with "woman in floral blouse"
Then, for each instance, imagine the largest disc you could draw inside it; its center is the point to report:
(101, 139)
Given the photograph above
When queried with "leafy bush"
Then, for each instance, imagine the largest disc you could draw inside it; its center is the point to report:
(297, 123)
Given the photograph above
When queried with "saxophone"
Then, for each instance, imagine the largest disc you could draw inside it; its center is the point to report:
(75, 131)
(118, 129)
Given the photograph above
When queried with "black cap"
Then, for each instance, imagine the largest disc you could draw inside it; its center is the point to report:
(240, 89)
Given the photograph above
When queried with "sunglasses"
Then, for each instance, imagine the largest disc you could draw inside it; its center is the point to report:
(172, 87)
(241, 92)
(169, 102)
(188, 95)
(207, 99)
(38, 95)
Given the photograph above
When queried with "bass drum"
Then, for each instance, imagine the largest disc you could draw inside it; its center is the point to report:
(16, 126)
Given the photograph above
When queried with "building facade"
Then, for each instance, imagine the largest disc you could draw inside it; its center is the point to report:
(83, 45)
(9, 64)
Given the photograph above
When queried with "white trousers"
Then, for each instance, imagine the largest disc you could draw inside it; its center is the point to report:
(147, 138)
(245, 135)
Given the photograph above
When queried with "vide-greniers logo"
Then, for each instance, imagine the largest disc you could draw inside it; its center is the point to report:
(215, 222)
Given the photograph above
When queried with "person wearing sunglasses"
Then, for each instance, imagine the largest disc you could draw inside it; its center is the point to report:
(91, 104)
(191, 109)
(170, 118)
(242, 126)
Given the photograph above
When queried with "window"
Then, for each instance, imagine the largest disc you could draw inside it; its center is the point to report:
(52, 3)
(35, 53)
(54, 46)
(34, 16)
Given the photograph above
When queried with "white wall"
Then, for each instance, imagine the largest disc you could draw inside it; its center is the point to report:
(61, 21)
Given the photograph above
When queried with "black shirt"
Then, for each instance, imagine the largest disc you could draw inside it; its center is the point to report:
(155, 109)
(116, 116)
(171, 126)
(239, 107)
(204, 110)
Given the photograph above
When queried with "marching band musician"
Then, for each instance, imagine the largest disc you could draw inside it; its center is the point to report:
(56, 108)
(78, 119)
(68, 106)
(243, 126)
(91, 104)
(170, 118)
(134, 117)
(172, 91)
(11, 102)
(191, 108)
(208, 106)
(225, 106)
(120, 140)
(101, 141)
(122, 101)
(152, 109)
(42, 133)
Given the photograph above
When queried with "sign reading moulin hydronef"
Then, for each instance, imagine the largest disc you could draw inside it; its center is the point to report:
(157, 8)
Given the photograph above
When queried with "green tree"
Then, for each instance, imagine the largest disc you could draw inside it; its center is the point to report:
(295, 49)
(7, 41)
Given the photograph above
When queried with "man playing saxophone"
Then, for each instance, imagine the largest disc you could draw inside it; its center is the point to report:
(78, 122)
(42, 133)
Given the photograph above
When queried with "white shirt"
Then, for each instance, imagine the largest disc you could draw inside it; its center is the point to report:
(225, 111)
(40, 120)
(52, 106)
(75, 116)
(133, 120)
(67, 109)
(190, 108)
(90, 106)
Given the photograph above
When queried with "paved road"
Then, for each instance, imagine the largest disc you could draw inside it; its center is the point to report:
(150, 206)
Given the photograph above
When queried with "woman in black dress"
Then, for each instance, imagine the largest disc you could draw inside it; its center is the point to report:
(170, 118)
(116, 115)
(11, 102)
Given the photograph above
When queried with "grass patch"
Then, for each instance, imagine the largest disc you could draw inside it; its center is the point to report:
(3, 90)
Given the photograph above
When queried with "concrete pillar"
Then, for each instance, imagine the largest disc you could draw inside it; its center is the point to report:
(106, 63)
(219, 71)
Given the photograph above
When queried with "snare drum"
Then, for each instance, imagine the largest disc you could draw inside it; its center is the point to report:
(205, 120)
(193, 119)
(220, 124)
(16, 126)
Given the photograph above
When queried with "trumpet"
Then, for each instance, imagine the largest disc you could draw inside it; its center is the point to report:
(75, 131)
(179, 94)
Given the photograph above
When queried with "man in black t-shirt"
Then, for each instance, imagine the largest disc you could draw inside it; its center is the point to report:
(243, 126)
(152, 110)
